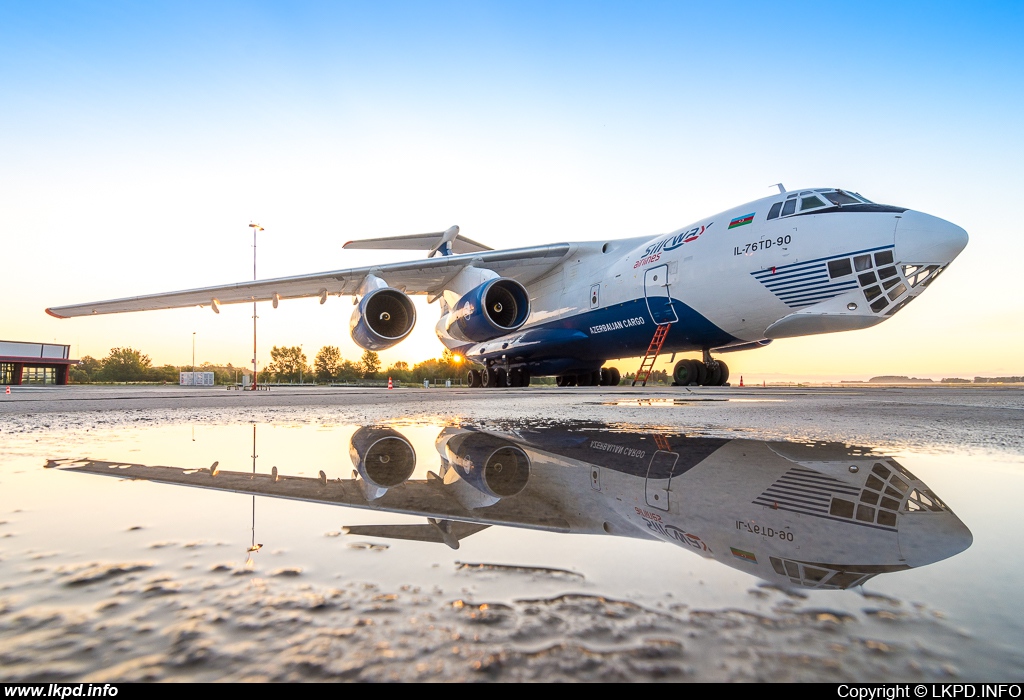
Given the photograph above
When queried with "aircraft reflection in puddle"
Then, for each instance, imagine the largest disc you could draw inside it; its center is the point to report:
(817, 515)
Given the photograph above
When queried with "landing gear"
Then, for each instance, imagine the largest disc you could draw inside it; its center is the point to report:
(518, 376)
(606, 376)
(610, 376)
(496, 376)
(696, 373)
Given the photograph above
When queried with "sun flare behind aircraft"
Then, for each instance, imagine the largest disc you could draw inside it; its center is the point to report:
(796, 263)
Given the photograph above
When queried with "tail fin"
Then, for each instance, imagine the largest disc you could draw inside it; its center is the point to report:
(443, 242)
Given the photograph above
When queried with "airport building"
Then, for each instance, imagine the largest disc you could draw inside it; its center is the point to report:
(34, 363)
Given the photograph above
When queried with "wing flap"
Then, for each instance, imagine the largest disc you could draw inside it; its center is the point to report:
(414, 277)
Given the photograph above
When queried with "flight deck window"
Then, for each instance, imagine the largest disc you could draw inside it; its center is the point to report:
(789, 207)
(811, 203)
(862, 262)
(774, 212)
(883, 258)
(839, 198)
(838, 268)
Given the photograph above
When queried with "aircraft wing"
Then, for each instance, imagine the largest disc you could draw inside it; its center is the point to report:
(425, 498)
(414, 277)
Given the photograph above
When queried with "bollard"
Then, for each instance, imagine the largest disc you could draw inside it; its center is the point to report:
(390, 385)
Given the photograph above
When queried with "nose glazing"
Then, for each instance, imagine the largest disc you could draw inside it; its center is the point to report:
(925, 239)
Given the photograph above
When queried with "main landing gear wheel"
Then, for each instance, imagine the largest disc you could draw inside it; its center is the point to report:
(695, 372)
(489, 376)
(687, 372)
(473, 378)
(518, 376)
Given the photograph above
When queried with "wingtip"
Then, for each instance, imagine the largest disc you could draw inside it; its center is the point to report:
(55, 315)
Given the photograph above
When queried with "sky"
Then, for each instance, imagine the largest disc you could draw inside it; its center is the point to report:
(138, 141)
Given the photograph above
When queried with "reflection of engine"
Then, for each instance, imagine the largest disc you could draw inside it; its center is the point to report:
(487, 311)
(493, 467)
(382, 318)
(382, 457)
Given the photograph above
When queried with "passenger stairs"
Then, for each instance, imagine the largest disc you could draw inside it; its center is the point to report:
(652, 354)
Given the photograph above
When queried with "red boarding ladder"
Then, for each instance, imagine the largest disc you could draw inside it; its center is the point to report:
(652, 354)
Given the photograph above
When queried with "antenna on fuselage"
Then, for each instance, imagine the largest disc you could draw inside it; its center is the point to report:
(782, 190)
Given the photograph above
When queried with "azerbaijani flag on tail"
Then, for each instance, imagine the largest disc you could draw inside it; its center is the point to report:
(744, 555)
(742, 220)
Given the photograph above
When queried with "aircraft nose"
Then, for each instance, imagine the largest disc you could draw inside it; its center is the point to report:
(926, 538)
(925, 239)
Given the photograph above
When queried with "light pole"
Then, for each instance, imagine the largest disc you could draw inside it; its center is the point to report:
(255, 228)
(193, 358)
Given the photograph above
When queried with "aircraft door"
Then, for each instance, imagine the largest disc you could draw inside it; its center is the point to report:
(659, 297)
(659, 479)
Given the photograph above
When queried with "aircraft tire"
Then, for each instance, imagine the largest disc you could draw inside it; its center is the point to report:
(616, 377)
(684, 372)
(559, 380)
(513, 377)
(525, 377)
(570, 380)
(501, 378)
(489, 375)
(725, 373)
(714, 377)
(595, 378)
(702, 374)
(473, 378)
(606, 377)
(583, 379)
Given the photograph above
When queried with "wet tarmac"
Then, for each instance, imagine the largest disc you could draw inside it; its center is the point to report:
(309, 534)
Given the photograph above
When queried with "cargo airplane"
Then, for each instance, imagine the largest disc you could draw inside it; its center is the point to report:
(793, 264)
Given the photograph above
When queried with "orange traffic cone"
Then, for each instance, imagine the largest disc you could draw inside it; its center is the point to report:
(741, 380)
(8, 390)
(390, 385)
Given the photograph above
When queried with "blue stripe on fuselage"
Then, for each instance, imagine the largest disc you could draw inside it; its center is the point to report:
(583, 341)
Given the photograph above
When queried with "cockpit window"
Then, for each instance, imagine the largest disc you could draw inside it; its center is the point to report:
(812, 202)
(839, 198)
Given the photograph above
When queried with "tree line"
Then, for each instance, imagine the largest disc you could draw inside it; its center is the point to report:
(131, 365)
(288, 365)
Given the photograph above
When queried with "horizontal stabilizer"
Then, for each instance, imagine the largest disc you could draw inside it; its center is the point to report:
(445, 531)
(447, 242)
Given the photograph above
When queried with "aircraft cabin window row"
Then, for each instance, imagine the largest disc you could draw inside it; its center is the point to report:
(813, 199)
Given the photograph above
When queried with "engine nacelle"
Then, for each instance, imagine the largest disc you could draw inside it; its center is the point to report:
(383, 317)
(382, 457)
(494, 308)
(497, 467)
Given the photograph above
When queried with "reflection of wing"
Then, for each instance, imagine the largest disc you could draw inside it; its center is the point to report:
(426, 498)
(414, 277)
(446, 531)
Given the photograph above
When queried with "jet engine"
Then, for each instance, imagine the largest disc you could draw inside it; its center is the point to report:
(496, 307)
(382, 318)
(495, 466)
(382, 457)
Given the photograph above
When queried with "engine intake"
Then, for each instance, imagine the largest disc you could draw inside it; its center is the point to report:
(494, 308)
(495, 466)
(382, 456)
(383, 318)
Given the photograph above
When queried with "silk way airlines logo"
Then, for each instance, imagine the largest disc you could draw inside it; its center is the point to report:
(654, 251)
